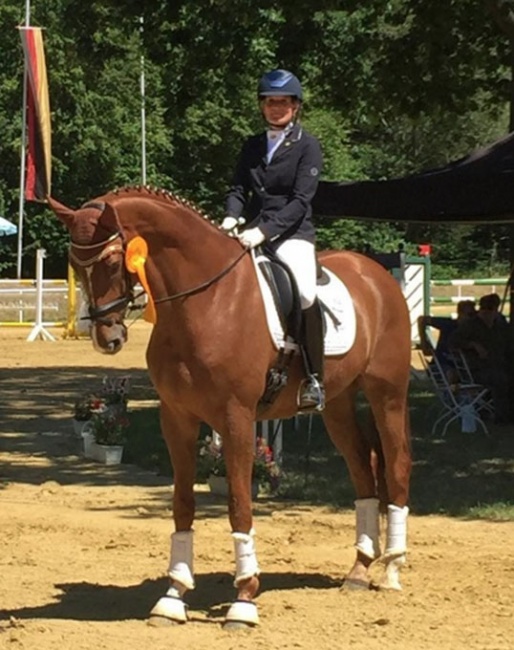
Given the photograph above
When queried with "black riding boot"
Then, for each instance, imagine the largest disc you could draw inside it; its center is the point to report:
(311, 396)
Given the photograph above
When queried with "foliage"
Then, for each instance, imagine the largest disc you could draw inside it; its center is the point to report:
(112, 394)
(265, 469)
(109, 427)
(85, 406)
(391, 88)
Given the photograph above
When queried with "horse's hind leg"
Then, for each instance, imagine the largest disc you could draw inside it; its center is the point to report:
(341, 422)
(180, 433)
(388, 402)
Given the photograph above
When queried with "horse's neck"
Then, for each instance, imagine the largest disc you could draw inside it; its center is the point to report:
(184, 249)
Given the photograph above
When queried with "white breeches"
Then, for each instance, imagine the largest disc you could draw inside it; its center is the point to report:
(300, 257)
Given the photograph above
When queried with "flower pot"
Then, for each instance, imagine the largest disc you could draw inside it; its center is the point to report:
(218, 485)
(109, 454)
(90, 445)
(78, 427)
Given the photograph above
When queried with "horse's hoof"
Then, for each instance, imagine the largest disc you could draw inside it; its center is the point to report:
(354, 584)
(162, 621)
(234, 626)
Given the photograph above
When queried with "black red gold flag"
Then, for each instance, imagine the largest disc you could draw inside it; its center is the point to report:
(39, 157)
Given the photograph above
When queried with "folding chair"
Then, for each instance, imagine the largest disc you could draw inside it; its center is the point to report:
(465, 376)
(459, 401)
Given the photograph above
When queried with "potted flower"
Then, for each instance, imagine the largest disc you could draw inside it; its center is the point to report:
(265, 469)
(266, 472)
(83, 411)
(115, 394)
(109, 431)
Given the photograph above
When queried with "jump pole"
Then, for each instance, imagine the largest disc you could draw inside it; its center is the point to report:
(38, 330)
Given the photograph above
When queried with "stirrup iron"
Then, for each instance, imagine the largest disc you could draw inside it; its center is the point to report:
(311, 395)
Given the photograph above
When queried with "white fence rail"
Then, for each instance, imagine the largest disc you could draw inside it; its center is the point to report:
(466, 289)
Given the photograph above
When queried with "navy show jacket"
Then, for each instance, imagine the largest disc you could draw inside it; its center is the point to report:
(276, 197)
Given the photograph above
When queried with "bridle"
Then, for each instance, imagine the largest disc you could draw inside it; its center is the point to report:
(108, 246)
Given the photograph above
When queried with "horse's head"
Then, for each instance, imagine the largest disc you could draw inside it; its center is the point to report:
(97, 255)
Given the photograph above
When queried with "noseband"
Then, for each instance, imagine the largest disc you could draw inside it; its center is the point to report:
(107, 247)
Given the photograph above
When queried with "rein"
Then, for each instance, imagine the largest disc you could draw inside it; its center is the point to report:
(204, 285)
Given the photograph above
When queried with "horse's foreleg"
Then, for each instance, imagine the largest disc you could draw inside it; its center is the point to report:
(239, 450)
(180, 434)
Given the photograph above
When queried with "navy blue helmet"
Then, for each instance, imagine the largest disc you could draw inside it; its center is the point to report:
(279, 82)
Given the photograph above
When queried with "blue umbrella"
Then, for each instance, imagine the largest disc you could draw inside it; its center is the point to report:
(7, 228)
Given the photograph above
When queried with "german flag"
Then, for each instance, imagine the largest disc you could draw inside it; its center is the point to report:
(39, 158)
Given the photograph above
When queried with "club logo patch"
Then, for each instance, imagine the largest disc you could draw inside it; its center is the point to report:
(314, 171)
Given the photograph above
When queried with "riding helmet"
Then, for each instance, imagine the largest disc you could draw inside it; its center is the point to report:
(279, 82)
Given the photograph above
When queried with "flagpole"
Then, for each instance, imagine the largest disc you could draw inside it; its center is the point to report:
(143, 108)
(23, 156)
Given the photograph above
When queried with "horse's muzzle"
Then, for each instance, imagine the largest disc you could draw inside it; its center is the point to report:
(109, 339)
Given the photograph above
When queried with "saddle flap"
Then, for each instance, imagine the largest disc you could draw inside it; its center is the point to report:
(336, 303)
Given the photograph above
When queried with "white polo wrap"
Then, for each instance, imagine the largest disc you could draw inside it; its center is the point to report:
(246, 558)
(396, 543)
(368, 529)
(181, 559)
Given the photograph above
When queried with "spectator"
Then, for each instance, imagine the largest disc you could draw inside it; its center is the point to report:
(494, 300)
(486, 343)
(446, 326)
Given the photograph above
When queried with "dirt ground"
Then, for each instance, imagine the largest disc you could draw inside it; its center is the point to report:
(84, 548)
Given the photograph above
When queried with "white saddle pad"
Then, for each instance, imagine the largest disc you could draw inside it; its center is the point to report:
(338, 311)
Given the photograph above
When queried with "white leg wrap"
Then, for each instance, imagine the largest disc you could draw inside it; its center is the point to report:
(396, 543)
(368, 531)
(391, 579)
(171, 606)
(181, 560)
(246, 558)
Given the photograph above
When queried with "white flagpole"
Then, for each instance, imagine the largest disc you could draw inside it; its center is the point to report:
(143, 112)
(23, 156)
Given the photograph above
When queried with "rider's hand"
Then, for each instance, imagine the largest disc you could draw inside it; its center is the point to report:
(229, 223)
(251, 238)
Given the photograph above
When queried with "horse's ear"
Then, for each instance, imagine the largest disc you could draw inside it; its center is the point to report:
(66, 215)
(109, 219)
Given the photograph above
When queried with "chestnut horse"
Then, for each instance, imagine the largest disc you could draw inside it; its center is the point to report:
(208, 357)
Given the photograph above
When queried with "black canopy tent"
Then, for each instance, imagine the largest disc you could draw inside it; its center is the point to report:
(476, 189)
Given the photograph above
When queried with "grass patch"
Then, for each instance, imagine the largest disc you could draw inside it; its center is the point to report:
(462, 475)
(494, 512)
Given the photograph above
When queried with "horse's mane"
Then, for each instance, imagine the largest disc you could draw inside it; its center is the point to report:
(167, 196)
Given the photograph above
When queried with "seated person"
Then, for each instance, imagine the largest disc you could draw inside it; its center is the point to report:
(495, 302)
(486, 343)
(446, 326)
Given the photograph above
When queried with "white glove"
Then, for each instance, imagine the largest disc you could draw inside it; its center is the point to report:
(251, 238)
(229, 223)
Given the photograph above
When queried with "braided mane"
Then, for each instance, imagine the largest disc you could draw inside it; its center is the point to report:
(164, 195)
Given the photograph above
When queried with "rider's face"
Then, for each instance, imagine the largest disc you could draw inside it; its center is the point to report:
(279, 110)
